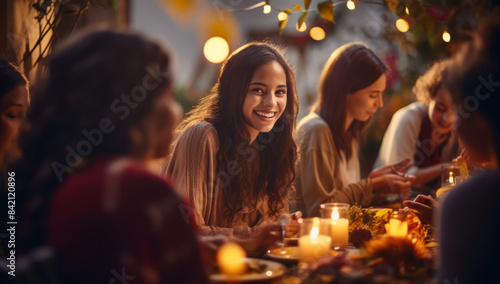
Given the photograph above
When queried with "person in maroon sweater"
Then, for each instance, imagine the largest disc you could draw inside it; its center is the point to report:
(106, 110)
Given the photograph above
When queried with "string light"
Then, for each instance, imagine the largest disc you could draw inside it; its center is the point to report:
(282, 16)
(317, 33)
(350, 5)
(402, 25)
(302, 28)
(216, 49)
(407, 11)
(446, 36)
(267, 9)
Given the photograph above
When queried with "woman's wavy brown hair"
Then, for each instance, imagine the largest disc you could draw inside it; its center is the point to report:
(267, 165)
(427, 85)
(350, 68)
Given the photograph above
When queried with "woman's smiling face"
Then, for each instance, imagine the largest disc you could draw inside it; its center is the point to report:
(441, 111)
(266, 98)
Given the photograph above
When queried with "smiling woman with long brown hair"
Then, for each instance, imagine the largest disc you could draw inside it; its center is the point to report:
(235, 154)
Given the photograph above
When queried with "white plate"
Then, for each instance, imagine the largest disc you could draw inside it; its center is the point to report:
(284, 254)
(273, 270)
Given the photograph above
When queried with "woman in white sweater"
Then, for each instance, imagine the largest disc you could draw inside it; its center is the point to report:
(350, 92)
(422, 131)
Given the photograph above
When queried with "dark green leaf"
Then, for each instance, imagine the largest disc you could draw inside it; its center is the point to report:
(326, 11)
(115, 4)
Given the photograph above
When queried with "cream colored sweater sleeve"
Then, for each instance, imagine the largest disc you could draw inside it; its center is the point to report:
(192, 167)
(318, 174)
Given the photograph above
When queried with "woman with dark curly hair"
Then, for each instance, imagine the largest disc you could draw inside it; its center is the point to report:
(105, 110)
(234, 158)
(422, 130)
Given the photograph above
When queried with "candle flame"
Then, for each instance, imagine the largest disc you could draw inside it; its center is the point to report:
(315, 229)
(450, 180)
(314, 233)
(335, 214)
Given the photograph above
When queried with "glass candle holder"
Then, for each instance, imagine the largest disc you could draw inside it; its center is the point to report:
(337, 215)
(314, 241)
(449, 174)
(397, 227)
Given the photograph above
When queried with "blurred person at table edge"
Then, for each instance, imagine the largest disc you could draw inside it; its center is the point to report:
(105, 110)
(422, 131)
(235, 154)
(14, 101)
(350, 92)
(470, 227)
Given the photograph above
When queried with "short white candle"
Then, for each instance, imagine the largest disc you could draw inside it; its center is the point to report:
(397, 228)
(313, 246)
(340, 230)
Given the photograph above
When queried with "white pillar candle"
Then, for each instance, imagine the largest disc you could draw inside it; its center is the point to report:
(340, 230)
(397, 228)
(314, 246)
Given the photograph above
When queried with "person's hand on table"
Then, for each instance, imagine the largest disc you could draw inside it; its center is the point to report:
(425, 205)
(209, 245)
(398, 169)
(393, 184)
(265, 237)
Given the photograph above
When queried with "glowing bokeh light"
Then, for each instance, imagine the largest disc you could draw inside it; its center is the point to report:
(446, 36)
(282, 16)
(317, 33)
(402, 25)
(267, 9)
(350, 5)
(302, 28)
(216, 49)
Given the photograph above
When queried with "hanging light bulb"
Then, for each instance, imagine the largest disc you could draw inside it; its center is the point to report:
(446, 36)
(317, 33)
(216, 49)
(282, 16)
(402, 25)
(302, 27)
(350, 5)
(267, 8)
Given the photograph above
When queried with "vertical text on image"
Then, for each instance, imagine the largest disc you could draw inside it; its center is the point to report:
(11, 223)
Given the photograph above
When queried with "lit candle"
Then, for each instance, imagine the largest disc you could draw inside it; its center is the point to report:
(397, 228)
(340, 230)
(450, 179)
(314, 246)
(231, 259)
